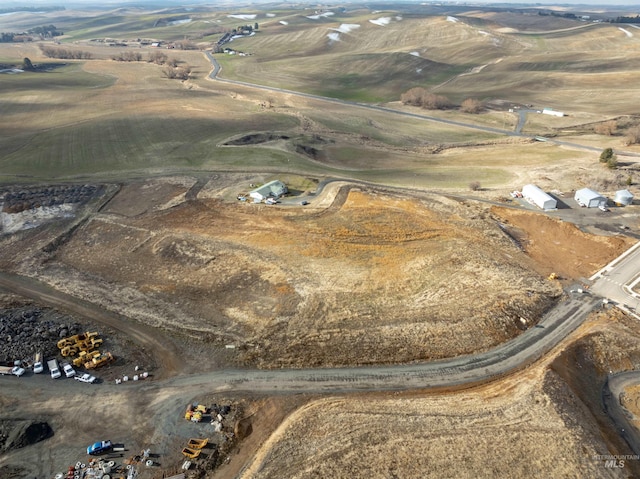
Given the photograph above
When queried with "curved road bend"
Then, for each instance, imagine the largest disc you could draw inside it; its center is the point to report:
(162, 349)
(613, 388)
(460, 371)
(215, 72)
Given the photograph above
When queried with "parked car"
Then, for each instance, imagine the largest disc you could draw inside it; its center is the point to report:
(304, 202)
(17, 371)
(99, 448)
(68, 370)
(86, 378)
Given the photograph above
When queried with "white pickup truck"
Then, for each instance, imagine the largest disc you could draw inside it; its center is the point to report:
(54, 369)
(15, 370)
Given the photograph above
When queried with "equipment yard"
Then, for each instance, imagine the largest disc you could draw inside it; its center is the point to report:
(263, 306)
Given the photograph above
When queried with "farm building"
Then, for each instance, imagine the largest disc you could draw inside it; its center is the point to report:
(623, 198)
(589, 198)
(535, 195)
(552, 112)
(273, 189)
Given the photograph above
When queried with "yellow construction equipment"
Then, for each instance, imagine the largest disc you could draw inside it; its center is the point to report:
(69, 351)
(191, 453)
(85, 356)
(197, 443)
(104, 358)
(70, 341)
(552, 276)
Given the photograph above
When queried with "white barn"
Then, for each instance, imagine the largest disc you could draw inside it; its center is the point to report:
(589, 198)
(542, 200)
(623, 198)
(273, 189)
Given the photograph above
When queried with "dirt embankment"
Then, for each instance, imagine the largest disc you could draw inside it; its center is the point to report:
(377, 277)
(381, 278)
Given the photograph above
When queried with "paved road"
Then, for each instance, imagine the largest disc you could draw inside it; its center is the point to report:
(460, 371)
(614, 387)
(616, 281)
(215, 75)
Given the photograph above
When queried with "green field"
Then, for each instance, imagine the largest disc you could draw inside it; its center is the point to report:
(101, 118)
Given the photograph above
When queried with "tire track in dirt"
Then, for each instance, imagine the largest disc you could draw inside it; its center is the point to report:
(164, 351)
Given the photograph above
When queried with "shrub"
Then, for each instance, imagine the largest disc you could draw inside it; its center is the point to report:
(471, 105)
(608, 128)
(606, 155)
(475, 186)
(633, 136)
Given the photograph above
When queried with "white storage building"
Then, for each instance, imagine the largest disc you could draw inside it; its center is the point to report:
(273, 189)
(535, 195)
(623, 198)
(589, 198)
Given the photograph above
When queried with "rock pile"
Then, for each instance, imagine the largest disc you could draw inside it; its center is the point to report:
(26, 330)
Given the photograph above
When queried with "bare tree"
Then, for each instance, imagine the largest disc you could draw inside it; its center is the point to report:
(419, 96)
(608, 128)
(633, 136)
(471, 105)
(475, 186)
(157, 57)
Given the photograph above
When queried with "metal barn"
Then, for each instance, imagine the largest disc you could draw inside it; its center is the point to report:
(535, 195)
(589, 198)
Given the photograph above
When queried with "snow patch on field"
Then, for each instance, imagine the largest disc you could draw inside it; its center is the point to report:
(271, 15)
(482, 32)
(320, 15)
(334, 36)
(243, 16)
(283, 22)
(382, 21)
(180, 22)
(626, 32)
(415, 54)
(452, 19)
(13, 222)
(346, 27)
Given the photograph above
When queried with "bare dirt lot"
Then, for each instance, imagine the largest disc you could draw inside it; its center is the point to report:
(356, 277)
(378, 277)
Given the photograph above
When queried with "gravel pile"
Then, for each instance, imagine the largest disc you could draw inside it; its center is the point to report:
(28, 329)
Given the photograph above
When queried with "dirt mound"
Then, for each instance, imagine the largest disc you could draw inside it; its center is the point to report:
(375, 278)
(560, 247)
(256, 139)
(30, 329)
(18, 433)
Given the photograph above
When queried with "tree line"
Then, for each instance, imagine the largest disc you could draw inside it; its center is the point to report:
(50, 51)
(421, 97)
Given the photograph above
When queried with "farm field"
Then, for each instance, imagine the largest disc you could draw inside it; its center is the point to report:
(125, 207)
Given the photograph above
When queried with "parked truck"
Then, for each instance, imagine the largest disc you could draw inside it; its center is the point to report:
(54, 369)
(37, 364)
(15, 370)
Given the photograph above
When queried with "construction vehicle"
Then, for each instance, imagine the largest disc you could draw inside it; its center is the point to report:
(197, 443)
(83, 341)
(70, 341)
(103, 359)
(71, 350)
(191, 453)
(196, 416)
(552, 276)
(85, 356)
